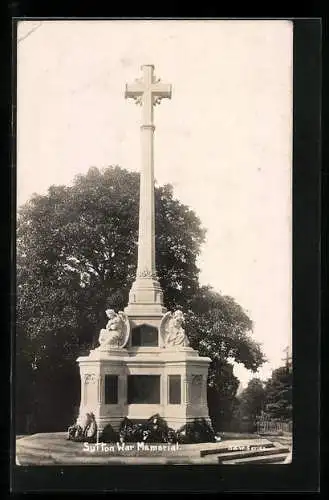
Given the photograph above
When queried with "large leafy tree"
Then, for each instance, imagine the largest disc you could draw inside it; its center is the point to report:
(76, 256)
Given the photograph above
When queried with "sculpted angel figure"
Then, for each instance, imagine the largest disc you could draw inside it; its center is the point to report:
(114, 335)
(172, 329)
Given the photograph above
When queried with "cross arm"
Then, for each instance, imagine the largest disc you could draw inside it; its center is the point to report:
(162, 90)
(134, 90)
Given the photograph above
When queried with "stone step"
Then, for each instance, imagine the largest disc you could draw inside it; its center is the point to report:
(252, 453)
(272, 459)
(209, 459)
(227, 448)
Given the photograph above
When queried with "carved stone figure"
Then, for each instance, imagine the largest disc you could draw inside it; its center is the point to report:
(116, 332)
(90, 378)
(172, 330)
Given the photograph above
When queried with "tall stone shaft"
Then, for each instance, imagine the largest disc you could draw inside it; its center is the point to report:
(146, 295)
(146, 237)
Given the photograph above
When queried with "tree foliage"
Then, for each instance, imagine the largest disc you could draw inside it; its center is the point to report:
(278, 389)
(251, 403)
(219, 328)
(77, 255)
(222, 388)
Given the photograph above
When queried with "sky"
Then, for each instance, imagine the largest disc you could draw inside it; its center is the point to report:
(224, 140)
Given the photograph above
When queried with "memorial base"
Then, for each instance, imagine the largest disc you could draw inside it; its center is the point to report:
(138, 382)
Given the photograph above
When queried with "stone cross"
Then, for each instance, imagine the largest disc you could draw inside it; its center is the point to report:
(147, 92)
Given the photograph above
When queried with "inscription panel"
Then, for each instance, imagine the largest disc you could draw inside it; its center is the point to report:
(143, 389)
(174, 386)
(144, 336)
(111, 389)
(196, 389)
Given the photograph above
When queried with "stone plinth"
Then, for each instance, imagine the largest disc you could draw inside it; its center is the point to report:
(145, 299)
(182, 375)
